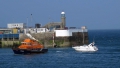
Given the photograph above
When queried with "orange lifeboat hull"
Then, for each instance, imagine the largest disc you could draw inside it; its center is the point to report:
(27, 51)
(29, 46)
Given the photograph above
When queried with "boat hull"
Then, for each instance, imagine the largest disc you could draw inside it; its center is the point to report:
(86, 48)
(26, 51)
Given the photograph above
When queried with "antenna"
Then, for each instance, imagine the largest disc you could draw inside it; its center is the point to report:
(31, 19)
(27, 23)
(27, 26)
(93, 39)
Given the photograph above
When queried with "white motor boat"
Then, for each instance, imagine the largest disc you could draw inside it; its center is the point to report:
(89, 47)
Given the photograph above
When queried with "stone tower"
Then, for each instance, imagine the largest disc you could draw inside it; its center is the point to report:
(63, 20)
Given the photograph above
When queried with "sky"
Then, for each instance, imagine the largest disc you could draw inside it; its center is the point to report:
(94, 14)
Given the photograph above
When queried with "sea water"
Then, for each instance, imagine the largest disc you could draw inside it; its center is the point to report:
(108, 55)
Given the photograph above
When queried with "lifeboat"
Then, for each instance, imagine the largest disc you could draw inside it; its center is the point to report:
(29, 46)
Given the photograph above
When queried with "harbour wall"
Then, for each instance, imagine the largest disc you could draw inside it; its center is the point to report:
(48, 39)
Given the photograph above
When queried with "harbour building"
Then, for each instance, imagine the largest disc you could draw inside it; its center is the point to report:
(51, 34)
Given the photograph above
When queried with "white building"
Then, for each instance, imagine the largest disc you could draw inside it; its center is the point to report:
(69, 32)
(36, 30)
(16, 25)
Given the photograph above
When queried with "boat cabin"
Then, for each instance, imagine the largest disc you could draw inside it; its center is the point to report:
(30, 44)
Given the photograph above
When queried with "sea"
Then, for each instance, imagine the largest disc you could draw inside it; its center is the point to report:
(108, 55)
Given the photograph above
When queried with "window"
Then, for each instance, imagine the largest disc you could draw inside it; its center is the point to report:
(41, 29)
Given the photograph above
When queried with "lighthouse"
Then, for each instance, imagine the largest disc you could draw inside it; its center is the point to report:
(63, 20)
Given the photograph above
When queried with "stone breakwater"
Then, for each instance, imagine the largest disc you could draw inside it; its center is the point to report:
(48, 41)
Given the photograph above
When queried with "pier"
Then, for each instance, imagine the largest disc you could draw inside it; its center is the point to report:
(10, 40)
